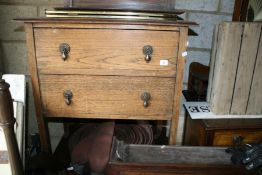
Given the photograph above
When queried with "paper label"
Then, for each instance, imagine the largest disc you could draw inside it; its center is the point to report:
(184, 54)
(163, 62)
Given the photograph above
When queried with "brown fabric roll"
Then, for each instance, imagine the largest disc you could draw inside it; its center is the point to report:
(92, 143)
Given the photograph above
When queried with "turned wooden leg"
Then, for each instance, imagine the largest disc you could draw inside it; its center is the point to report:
(7, 122)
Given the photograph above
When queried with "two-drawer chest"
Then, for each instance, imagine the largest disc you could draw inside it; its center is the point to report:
(106, 69)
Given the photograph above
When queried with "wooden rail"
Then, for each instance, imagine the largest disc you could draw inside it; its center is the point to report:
(7, 122)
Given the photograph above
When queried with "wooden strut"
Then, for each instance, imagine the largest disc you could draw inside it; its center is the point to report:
(7, 122)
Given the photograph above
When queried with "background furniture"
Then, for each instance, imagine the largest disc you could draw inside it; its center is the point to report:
(110, 69)
(165, 160)
(221, 132)
(197, 82)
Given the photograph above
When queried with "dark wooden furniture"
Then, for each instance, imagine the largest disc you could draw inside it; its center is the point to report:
(7, 122)
(197, 82)
(222, 132)
(99, 68)
(167, 160)
(240, 10)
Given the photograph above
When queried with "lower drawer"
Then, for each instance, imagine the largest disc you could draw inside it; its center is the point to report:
(107, 96)
(226, 137)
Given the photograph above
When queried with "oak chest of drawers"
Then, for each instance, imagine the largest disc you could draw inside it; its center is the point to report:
(106, 69)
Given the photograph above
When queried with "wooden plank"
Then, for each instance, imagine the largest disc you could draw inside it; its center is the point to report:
(179, 84)
(246, 64)
(255, 99)
(225, 67)
(212, 62)
(107, 96)
(173, 155)
(106, 52)
(43, 132)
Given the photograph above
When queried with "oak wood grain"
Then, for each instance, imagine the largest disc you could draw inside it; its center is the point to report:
(106, 69)
(107, 96)
(94, 25)
(43, 132)
(106, 52)
(179, 84)
(167, 23)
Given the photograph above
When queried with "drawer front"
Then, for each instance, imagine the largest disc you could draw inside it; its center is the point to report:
(225, 138)
(107, 96)
(106, 52)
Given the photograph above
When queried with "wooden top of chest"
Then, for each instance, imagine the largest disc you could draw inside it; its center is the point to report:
(107, 21)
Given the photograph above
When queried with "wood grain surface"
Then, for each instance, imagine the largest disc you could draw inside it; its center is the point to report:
(106, 70)
(254, 105)
(43, 131)
(216, 36)
(106, 52)
(235, 81)
(183, 35)
(246, 64)
(225, 67)
(225, 138)
(107, 96)
(102, 25)
(220, 132)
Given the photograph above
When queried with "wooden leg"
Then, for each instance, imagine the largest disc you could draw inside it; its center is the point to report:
(7, 122)
(42, 124)
(179, 84)
(44, 137)
(173, 132)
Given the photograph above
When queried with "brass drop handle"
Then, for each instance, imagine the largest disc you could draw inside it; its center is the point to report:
(68, 95)
(64, 49)
(146, 97)
(148, 51)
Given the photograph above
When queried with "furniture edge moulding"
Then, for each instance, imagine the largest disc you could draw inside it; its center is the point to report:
(120, 24)
(42, 125)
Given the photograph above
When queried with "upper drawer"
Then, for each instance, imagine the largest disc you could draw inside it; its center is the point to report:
(106, 52)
